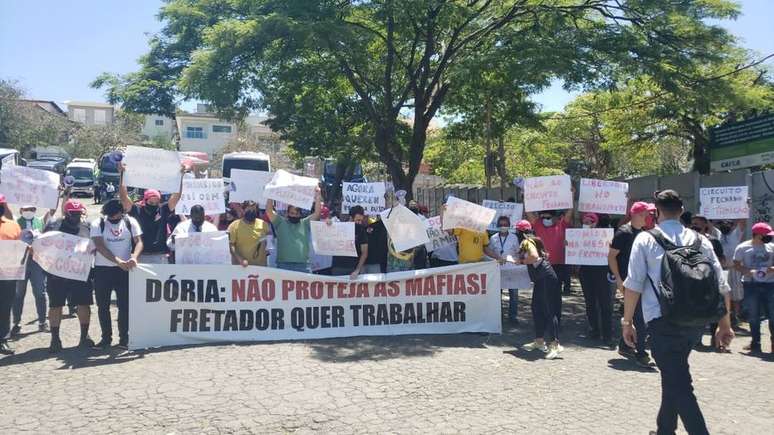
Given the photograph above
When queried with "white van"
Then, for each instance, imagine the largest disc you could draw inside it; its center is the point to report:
(247, 160)
(84, 174)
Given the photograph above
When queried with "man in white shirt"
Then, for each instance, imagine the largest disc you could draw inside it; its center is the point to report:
(507, 244)
(671, 344)
(196, 224)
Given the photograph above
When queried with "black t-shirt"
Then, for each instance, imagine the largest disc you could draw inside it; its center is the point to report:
(154, 228)
(361, 238)
(717, 247)
(377, 243)
(623, 241)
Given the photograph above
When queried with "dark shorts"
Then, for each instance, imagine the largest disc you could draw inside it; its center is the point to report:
(61, 289)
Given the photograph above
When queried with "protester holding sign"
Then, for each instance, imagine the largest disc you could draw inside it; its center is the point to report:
(598, 294)
(247, 237)
(551, 227)
(471, 245)
(507, 245)
(9, 230)
(292, 234)
(78, 292)
(354, 266)
(153, 217)
(196, 224)
(118, 239)
(378, 251)
(754, 259)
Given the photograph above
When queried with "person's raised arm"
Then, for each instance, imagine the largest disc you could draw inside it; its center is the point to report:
(123, 193)
(741, 225)
(172, 203)
(317, 204)
(270, 213)
(569, 212)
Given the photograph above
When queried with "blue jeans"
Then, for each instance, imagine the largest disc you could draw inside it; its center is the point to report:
(37, 277)
(513, 303)
(758, 296)
(296, 267)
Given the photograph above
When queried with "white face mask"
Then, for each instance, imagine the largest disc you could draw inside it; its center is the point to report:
(504, 230)
(548, 222)
(29, 215)
(587, 226)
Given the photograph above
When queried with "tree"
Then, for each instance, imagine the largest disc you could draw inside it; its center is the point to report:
(387, 60)
(92, 141)
(24, 125)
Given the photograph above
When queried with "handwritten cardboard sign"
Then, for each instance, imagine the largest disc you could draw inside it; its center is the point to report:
(463, 214)
(152, 168)
(246, 185)
(601, 196)
(513, 210)
(553, 192)
(724, 202)
(27, 186)
(13, 262)
(203, 248)
(64, 255)
(370, 196)
(338, 238)
(437, 236)
(405, 228)
(587, 246)
(291, 189)
(514, 276)
(206, 192)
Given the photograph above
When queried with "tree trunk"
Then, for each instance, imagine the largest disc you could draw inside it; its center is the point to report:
(501, 169)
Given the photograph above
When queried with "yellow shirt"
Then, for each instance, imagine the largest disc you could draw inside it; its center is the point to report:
(471, 245)
(246, 239)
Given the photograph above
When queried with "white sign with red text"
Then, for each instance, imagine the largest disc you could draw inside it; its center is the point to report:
(437, 236)
(64, 255)
(724, 202)
(206, 192)
(513, 210)
(28, 186)
(336, 238)
(292, 189)
(552, 192)
(13, 262)
(203, 248)
(587, 246)
(602, 196)
(463, 214)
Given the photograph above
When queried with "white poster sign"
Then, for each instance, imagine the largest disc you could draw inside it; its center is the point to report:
(248, 185)
(152, 168)
(553, 192)
(179, 304)
(514, 276)
(513, 210)
(463, 214)
(438, 237)
(405, 228)
(9, 160)
(27, 186)
(13, 262)
(64, 255)
(338, 238)
(602, 196)
(724, 202)
(203, 248)
(292, 189)
(206, 192)
(370, 196)
(587, 246)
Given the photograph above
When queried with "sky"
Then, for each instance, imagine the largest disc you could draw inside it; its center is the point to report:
(55, 48)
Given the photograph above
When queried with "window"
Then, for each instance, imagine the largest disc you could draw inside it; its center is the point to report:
(79, 115)
(159, 123)
(221, 129)
(99, 116)
(194, 133)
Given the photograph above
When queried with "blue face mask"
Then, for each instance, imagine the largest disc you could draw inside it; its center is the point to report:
(548, 222)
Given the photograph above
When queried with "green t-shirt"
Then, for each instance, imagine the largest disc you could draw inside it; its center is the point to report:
(292, 240)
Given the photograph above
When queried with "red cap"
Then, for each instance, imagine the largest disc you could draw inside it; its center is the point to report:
(73, 205)
(523, 225)
(592, 217)
(2, 199)
(651, 206)
(151, 193)
(762, 229)
(639, 207)
(325, 212)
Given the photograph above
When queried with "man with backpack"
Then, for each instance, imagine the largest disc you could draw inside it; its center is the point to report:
(681, 282)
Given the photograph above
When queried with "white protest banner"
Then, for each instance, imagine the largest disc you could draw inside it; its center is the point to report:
(292, 189)
(64, 255)
(553, 192)
(152, 168)
(724, 202)
(514, 276)
(13, 262)
(438, 237)
(370, 196)
(338, 238)
(463, 214)
(406, 229)
(248, 185)
(9, 160)
(186, 304)
(203, 248)
(27, 186)
(513, 210)
(602, 196)
(587, 246)
(206, 192)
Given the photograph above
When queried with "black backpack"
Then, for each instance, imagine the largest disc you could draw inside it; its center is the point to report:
(688, 292)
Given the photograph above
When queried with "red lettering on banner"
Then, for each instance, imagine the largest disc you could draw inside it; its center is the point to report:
(380, 290)
(302, 290)
(429, 288)
(459, 284)
(287, 287)
(393, 289)
(473, 288)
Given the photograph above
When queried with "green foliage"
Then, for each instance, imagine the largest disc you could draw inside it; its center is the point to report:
(91, 141)
(24, 126)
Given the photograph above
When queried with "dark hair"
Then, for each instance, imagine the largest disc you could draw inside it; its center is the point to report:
(685, 218)
(197, 209)
(541, 248)
(356, 210)
(669, 201)
(504, 218)
(112, 207)
(700, 217)
(249, 203)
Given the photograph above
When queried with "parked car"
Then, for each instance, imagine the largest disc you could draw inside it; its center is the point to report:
(54, 165)
(10, 155)
(83, 173)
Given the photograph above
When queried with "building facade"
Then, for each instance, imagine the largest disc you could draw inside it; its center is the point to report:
(90, 113)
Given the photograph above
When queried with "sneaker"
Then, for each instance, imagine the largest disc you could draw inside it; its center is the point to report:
(645, 361)
(626, 351)
(43, 327)
(529, 347)
(753, 348)
(15, 330)
(86, 343)
(5, 348)
(593, 335)
(55, 346)
(554, 351)
(608, 343)
(123, 345)
(103, 344)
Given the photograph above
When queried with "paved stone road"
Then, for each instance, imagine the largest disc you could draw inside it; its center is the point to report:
(409, 384)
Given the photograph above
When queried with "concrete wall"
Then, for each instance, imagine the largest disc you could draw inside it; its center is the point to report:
(151, 130)
(211, 143)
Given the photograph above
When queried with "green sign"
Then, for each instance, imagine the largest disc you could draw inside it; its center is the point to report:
(743, 144)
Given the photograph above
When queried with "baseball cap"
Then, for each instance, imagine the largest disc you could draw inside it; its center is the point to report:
(762, 229)
(651, 206)
(591, 216)
(639, 207)
(73, 205)
(151, 193)
(523, 225)
(325, 212)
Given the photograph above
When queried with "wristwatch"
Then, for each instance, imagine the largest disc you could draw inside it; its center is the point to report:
(625, 322)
